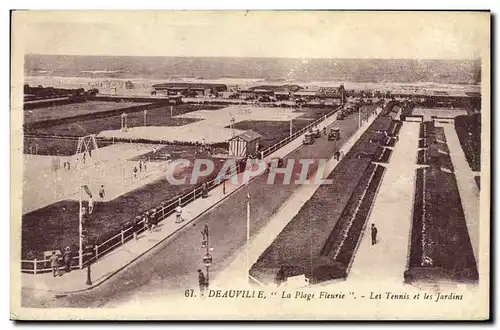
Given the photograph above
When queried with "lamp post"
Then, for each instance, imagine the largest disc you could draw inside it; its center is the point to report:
(89, 260)
(207, 258)
(80, 229)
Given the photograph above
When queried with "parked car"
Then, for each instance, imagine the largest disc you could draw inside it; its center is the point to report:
(308, 138)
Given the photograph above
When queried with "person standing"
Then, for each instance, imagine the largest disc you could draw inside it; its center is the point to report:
(178, 214)
(67, 256)
(91, 204)
(202, 282)
(204, 190)
(374, 234)
(54, 263)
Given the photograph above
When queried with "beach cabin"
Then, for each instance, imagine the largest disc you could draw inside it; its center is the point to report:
(244, 145)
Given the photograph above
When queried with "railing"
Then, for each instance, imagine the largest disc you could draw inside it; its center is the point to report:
(160, 213)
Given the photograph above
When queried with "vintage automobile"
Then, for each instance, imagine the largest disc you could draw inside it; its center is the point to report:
(308, 138)
(334, 134)
(341, 115)
(316, 133)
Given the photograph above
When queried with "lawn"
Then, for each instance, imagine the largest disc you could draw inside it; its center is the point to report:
(75, 109)
(274, 131)
(56, 225)
(54, 146)
(155, 117)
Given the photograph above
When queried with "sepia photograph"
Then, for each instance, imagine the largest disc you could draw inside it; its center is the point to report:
(250, 165)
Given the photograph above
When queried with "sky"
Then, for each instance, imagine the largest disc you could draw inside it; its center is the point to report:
(321, 34)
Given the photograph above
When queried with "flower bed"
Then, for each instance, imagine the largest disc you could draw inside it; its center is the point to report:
(440, 136)
(301, 241)
(422, 157)
(440, 240)
(415, 256)
(468, 129)
(353, 234)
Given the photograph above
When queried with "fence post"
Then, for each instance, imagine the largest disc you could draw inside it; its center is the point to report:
(122, 236)
(96, 252)
(34, 266)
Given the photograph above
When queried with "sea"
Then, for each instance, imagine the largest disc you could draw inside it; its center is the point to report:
(287, 70)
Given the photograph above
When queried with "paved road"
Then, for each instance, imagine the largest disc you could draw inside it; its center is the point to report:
(171, 268)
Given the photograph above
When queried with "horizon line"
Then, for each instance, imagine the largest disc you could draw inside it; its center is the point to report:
(269, 57)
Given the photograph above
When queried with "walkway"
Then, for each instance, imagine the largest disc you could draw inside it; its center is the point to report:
(122, 256)
(468, 190)
(391, 214)
(236, 274)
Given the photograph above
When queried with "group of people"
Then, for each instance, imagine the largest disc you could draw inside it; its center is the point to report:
(142, 167)
(55, 263)
(151, 220)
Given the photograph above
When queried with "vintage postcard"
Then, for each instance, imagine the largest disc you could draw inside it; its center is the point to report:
(250, 165)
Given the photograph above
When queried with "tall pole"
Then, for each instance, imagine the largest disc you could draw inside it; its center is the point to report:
(145, 117)
(208, 267)
(80, 231)
(291, 129)
(359, 118)
(171, 110)
(248, 237)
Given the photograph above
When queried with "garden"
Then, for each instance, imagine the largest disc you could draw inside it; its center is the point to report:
(440, 242)
(321, 239)
(469, 133)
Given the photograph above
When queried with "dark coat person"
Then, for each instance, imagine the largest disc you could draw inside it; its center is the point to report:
(374, 234)
(67, 256)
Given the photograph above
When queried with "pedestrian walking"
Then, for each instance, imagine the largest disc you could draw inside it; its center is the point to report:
(84, 156)
(178, 213)
(54, 263)
(91, 204)
(341, 154)
(202, 281)
(135, 172)
(204, 190)
(153, 219)
(140, 166)
(102, 192)
(337, 155)
(67, 256)
(374, 234)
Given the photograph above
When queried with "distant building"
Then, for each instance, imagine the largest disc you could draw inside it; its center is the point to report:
(190, 89)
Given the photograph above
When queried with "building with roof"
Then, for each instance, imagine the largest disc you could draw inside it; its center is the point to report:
(244, 145)
(191, 89)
